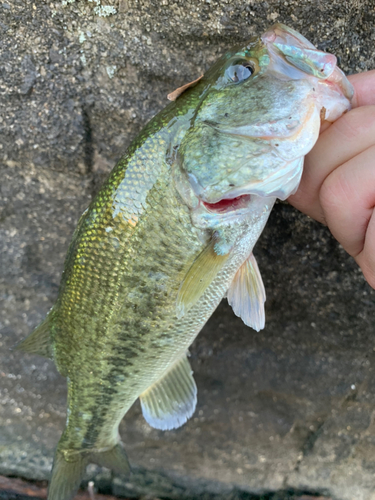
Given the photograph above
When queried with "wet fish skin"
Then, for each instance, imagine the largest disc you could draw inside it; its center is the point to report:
(155, 252)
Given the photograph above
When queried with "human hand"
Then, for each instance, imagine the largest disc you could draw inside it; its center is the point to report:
(338, 181)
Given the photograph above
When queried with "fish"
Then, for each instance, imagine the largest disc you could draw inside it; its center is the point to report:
(171, 232)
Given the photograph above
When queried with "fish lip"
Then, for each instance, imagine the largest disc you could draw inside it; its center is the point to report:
(338, 78)
(285, 32)
(290, 36)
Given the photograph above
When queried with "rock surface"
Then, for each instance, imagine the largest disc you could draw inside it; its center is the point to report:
(291, 407)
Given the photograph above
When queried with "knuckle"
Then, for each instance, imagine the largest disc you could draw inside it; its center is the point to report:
(334, 192)
(356, 122)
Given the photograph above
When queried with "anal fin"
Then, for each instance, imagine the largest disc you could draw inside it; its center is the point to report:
(171, 401)
(39, 340)
(114, 459)
(247, 295)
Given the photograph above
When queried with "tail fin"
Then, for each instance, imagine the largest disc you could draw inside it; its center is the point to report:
(67, 476)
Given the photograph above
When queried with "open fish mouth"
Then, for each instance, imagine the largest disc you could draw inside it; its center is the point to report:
(302, 54)
(230, 209)
(226, 205)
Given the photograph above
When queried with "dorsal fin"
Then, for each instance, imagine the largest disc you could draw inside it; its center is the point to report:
(176, 93)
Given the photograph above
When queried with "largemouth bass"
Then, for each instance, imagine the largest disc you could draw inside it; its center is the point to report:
(171, 233)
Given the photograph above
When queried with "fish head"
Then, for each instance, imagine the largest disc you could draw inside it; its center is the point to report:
(259, 113)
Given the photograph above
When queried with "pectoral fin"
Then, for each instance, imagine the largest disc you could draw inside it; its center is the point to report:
(171, 401)
(199, 277)
(246, 294)
(39, 341)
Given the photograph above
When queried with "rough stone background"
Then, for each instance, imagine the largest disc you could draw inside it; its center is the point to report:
(291, 407)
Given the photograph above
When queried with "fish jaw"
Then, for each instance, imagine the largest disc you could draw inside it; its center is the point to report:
(298, 52)
(292, 55)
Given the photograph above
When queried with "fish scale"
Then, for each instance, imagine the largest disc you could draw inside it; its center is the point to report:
(124, 315)
(163, 337)
(171, 233)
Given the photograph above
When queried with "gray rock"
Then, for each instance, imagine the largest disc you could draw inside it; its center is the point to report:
(290, 407)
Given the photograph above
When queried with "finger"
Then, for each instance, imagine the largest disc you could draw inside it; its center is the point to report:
(324, 125)
(366, 258)
(364, 88)
(347, 197)
(351, 134)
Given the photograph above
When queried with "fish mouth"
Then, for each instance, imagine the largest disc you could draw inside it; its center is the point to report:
(226, 205)
(230, 210)
(225, 211)
(280, 35)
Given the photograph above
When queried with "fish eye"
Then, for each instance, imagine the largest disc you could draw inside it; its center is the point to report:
(240, 71)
